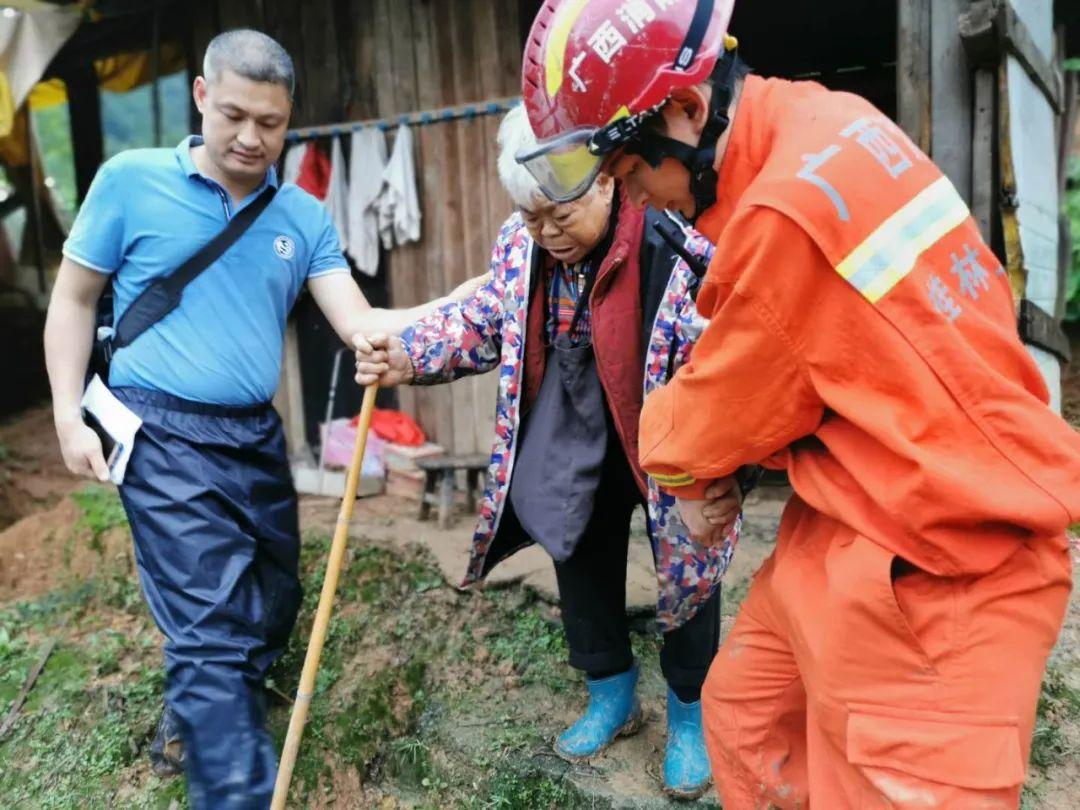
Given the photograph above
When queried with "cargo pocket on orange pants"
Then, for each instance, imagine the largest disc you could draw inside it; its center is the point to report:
(872, 644)
(919, 759)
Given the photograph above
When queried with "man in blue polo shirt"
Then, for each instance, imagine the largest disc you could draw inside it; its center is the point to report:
(207, 491)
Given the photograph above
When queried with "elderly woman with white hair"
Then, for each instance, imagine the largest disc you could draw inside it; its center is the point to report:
(586, 310)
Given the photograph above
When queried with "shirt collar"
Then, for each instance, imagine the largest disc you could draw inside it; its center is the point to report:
(183, 156)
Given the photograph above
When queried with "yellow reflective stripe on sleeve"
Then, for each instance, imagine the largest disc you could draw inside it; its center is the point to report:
(555, 49)
(679, 480)
(890, 252)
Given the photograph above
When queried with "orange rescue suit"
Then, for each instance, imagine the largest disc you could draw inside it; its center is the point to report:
(863, 336)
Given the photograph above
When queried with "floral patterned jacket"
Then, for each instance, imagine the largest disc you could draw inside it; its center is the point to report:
(488, 331)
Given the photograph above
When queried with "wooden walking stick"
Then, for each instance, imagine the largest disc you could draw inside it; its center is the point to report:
(322, 613)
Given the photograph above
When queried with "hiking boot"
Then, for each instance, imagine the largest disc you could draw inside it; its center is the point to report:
(686, 764)
(614, 711)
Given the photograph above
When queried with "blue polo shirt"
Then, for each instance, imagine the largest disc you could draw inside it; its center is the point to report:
(149, 210)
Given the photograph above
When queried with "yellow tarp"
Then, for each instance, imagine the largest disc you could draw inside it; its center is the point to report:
(13, 149)
(30, 5)
(48, 93)
(118, 73)
(7, 105)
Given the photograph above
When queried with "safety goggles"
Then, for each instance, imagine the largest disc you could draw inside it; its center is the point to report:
(564, 166)
(567, 165)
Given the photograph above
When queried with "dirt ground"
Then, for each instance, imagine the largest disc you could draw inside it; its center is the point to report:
(428, 697)
(32, 474)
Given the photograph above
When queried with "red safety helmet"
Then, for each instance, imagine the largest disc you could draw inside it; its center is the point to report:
(595, 69)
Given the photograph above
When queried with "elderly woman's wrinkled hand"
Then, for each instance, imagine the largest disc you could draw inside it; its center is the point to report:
(693, 515)
(710, 520)
(723, 502)
(381, 359)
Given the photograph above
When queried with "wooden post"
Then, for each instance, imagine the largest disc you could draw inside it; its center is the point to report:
(282, 21)
(1008, 202)
(35, 212)
(323, 99)
(155, 73)
(991, 28)
(87, 141)
(1070, 104)
(204, 27)
(290, 398)
(446, 498)
(419, 271)
(913, 70)
(983, 154)
(950, 96)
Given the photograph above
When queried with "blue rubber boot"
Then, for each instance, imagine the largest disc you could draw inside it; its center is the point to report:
(614, 711)
(687, 774)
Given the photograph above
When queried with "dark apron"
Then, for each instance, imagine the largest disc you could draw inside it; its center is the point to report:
(563, 442)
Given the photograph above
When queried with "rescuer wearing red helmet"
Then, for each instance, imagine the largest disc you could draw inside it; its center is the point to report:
(863, 337)
(596, 73)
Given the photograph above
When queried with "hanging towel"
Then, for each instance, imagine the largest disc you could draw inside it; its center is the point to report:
(290, 169)
(367, 160)
(337, 193)
(314, 172)
(399, 208)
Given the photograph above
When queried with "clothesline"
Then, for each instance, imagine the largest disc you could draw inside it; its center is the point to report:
(420, 118)
(371, 200)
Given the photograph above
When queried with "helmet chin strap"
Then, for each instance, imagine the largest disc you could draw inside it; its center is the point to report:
(654, 148)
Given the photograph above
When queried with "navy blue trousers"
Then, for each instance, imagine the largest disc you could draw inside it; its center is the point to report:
(213, 511)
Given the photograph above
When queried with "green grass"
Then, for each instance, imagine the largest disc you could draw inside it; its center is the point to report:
(536, 647)
(1058, 707)
(16, 659)
(100, 510)
(90, 715)
(375, 722)
(1058, 703)
(383, 708)
(85, 722)
(529, 789)
(403, 696)
(361, 722)
(732, 597)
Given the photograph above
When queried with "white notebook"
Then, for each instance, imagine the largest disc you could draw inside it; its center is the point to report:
(117, 420)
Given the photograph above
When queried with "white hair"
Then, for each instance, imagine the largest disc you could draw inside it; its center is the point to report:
(515, 135)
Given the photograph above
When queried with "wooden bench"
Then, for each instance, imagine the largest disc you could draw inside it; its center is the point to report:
(439, 474)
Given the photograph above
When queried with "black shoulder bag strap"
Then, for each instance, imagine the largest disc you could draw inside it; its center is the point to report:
(163, 294)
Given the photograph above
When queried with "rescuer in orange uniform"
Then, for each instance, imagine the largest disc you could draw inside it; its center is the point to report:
(863, 337)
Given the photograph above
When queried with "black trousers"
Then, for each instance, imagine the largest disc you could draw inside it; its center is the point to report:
(592, 591)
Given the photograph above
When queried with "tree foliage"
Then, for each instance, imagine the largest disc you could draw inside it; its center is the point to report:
(127, 123)
(1072, 212)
